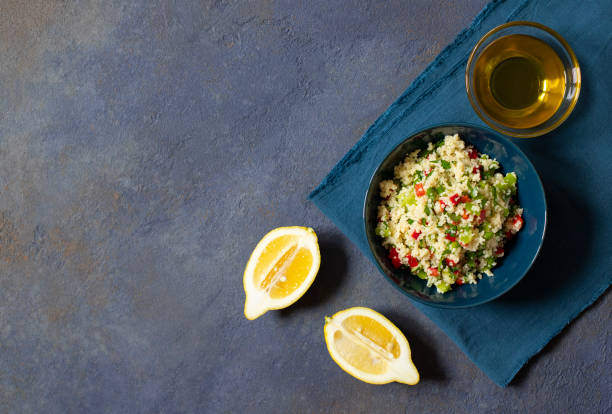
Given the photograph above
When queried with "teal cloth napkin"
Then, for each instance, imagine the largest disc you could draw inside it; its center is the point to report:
(575, 163)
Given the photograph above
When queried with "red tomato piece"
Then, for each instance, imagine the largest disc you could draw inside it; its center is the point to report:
(395, 260)
(418, 190)
(416, 234)
(482, 216)
(517, 222)
(412, 261)
(454, 199)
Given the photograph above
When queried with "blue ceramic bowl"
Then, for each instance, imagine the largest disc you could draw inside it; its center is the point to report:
(520, 253)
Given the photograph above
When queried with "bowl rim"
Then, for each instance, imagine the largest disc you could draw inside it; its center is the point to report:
(497, 136)
(537, 132)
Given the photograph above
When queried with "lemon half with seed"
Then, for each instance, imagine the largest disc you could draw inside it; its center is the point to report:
(369, 347)
(280, 270)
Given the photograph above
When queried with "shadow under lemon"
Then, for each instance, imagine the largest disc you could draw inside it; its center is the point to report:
(329, 278)
(424, 355)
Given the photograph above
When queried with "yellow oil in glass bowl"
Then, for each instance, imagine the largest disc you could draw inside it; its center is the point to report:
(522, 79)
(519, 81)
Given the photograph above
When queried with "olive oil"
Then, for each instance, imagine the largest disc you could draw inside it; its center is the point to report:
(519, 81)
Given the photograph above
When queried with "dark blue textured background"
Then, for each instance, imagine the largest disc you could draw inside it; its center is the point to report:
(146, 146)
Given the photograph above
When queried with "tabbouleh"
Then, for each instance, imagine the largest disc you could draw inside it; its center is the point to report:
(447, 213)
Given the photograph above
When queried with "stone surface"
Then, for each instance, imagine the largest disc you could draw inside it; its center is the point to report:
(146, 146)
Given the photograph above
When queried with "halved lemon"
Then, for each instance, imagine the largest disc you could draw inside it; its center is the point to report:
(280, 270)
(369, 347)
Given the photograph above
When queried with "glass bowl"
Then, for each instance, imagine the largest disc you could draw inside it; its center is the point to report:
(571, 71)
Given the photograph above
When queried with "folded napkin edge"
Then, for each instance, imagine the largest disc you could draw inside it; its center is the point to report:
(506, 381)
(361, 144)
